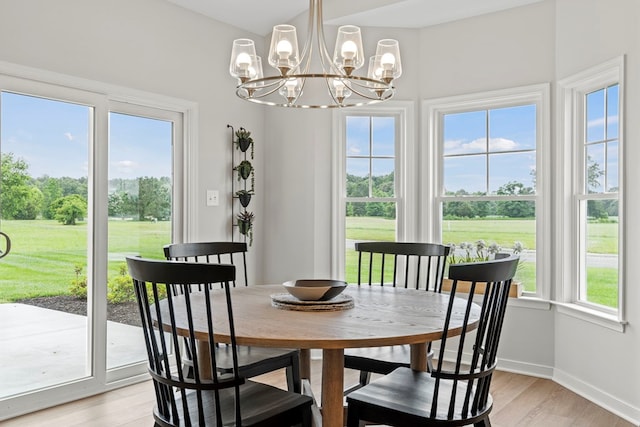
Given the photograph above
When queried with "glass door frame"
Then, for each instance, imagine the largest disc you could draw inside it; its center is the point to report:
(103, 98)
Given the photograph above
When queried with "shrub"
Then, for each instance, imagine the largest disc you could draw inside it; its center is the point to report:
(120, 288)
(78, 286)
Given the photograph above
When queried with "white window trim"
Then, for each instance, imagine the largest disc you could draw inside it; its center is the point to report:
(406, 179)
(434, 109)
(570, 93)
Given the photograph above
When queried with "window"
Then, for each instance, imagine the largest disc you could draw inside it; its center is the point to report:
(370, 184)
(489, 179)
(592, 149)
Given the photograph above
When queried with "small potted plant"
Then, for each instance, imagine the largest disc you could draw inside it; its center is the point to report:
(244, 196)
(478, 252)
(244, 140)
(244, 169)
(245, 225)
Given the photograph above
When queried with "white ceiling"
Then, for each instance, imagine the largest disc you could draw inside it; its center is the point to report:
(259, 16)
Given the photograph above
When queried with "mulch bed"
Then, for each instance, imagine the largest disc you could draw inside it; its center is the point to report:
(126, 312)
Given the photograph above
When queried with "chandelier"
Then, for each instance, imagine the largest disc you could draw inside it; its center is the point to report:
(330, 82)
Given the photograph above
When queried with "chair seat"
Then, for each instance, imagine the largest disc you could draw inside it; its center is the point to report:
(380, 360)
(404, 397)
(263, 405)
(254, 361)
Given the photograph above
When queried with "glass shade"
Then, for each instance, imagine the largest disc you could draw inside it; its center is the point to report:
(339, 90)
(283, 53)
(291, 90)
(389, 52)
(375, 73)
(242, 52)
(348, 54)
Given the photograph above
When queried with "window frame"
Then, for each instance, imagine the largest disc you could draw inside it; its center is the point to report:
(571, 192)
(405, 180)
(433, 193)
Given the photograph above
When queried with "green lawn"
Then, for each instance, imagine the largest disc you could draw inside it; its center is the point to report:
(44, 254)
(603, 238)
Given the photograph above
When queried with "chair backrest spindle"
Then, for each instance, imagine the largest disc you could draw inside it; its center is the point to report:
(417, 265)
(468, 390)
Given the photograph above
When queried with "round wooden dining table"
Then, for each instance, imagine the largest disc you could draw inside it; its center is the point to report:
(380, 316)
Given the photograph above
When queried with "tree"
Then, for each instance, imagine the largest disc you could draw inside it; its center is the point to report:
(515, 208)
(154, 198)
(69, 209)
(51, 190)
(594, 173)
(19, 198)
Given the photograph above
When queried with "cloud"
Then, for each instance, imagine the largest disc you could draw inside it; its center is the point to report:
(479, 146)
(128, 164)
(613, 120)
(69, 136)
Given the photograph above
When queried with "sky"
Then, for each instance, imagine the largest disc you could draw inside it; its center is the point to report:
(484, 150)
(53, 138)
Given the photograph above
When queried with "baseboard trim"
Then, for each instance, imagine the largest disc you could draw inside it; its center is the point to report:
(605, 400)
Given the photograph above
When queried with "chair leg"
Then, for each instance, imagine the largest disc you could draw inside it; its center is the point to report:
(294, 381)
(353, 419)
(365, 377)
(483, 423)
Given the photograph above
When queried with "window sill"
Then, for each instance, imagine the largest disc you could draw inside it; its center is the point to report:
(593, 316)
(520, 302)
(530, 302)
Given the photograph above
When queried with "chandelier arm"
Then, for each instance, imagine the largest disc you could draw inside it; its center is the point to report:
(269, 82)
(322, 45)
(307, 50)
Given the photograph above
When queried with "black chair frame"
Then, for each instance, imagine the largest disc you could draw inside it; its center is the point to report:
(452, 394)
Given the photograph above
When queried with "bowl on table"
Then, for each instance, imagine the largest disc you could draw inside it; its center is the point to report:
(315, 289)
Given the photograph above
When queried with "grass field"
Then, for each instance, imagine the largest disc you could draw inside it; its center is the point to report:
(44, 254)
(603, 239)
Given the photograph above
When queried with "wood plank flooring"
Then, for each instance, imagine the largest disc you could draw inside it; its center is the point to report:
(519, 400)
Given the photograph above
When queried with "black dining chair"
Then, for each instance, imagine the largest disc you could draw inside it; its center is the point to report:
(453, 393)
(227, 399)
(402, 264)
(253, 361)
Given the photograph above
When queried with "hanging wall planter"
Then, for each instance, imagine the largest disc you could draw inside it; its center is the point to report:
(244, 140)
(244, 169)
(241, 158)
(244, 196)
(245, 225)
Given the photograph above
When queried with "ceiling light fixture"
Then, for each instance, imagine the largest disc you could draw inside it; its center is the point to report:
(329, 82)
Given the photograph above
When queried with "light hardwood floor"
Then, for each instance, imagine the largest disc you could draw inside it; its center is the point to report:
(519, 400)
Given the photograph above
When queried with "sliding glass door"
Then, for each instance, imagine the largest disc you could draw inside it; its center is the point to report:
(85, 182)
(44, 195)
(140, 206)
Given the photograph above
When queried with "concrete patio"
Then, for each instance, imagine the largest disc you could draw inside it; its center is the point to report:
(40, 347)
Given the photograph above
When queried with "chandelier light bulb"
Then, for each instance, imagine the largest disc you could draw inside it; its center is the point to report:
(284, 49)
(388, 61)
(349, 50)
(243, 61)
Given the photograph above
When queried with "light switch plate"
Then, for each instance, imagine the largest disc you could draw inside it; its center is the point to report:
(213, 198)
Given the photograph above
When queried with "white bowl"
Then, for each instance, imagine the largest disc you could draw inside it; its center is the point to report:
(315, 289)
